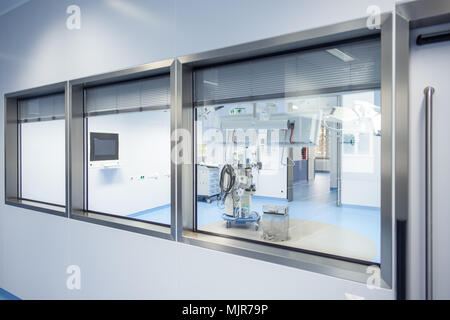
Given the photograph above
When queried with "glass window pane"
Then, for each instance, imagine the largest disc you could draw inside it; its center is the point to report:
(42, 149)
(288, 151)
(129, 170)
(43, 161)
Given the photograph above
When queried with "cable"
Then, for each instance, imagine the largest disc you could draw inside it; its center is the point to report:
(292, 133)
(227, 170)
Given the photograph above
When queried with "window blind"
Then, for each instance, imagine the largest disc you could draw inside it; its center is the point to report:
(294, 74)
(45, 108)
(152, 93)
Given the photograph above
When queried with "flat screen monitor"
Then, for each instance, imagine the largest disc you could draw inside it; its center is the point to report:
(104, 146)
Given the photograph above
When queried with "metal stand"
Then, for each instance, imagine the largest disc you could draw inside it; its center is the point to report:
(253, 218)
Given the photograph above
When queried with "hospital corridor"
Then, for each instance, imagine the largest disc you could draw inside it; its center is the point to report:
(230, 157)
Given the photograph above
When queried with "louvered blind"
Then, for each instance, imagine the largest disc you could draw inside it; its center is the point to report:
(293, 74)
(43, 108)
(140, 94)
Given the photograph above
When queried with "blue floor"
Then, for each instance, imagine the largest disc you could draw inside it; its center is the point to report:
(158, 215)
(312, 201)
(5, 295)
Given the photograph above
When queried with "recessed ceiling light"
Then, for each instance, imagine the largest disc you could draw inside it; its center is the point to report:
(340, 55)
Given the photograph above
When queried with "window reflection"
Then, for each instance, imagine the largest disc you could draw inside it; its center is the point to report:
(298, 172)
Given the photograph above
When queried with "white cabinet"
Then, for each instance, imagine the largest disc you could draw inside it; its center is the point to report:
(207, 181)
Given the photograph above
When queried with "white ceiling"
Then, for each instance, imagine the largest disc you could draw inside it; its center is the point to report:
(9, 5)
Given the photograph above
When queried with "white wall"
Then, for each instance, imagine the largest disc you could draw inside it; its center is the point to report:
(361, 173)
(37, 49)
(43, 161)
(272, 183)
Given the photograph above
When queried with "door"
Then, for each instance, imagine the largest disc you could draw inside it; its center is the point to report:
(429, 66)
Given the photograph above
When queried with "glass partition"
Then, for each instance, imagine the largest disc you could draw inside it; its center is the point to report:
(288, 150)
(127, 148)
(42, 149)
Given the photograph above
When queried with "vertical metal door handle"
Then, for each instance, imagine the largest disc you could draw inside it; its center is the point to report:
(429, 91)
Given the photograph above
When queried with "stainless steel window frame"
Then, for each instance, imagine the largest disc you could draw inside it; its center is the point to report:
(185, 188)
(13, 194)
(76, 161)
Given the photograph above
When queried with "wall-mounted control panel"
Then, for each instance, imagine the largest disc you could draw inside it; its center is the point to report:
(104, 150)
